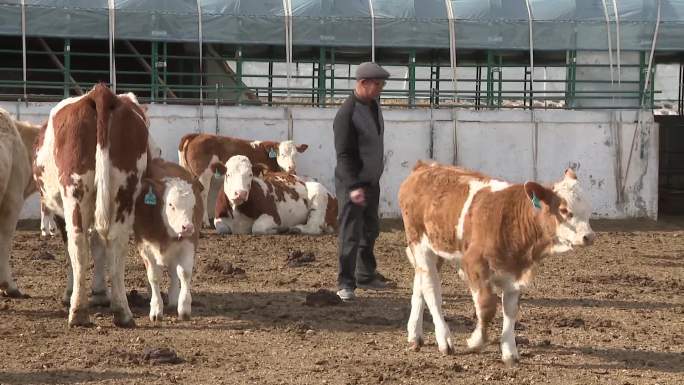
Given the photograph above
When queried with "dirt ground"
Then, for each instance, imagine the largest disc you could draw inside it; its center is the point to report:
(609, 314)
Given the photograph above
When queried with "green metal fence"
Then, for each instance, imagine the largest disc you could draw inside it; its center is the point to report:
(160, 72)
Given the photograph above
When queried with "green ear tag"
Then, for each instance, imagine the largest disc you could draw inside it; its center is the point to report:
(150, 198)
(272, 153)
(535, 201)
(217, 174)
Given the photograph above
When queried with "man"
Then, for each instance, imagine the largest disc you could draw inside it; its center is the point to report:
(358, 130)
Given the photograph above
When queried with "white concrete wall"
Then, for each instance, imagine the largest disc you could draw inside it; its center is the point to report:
(499, 143)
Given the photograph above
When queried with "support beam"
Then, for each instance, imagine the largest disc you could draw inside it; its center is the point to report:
(213, 55)
(59, 64)
(147, 67)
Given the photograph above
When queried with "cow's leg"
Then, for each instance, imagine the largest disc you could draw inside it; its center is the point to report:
(174, 286)
(222, 226)
(415, 322)
(265, 224)
(317, 204)
(116, 255)
(205, 181)
(98, 294)
(47, 225)
(509, 303)
(153, 277)
(9, 212)
(484, 299)
(79, 251)
(431, 288)
(184, 270)
(68, 289)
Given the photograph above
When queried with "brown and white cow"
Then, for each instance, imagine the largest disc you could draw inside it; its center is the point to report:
(16, 143)
(168, 218)
(89, 163)
(270, 203)
(197, 152)
(494, 231)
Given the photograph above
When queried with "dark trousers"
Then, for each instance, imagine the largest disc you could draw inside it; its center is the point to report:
(359, 227)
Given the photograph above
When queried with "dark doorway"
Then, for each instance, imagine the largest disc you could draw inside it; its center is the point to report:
(671, 168)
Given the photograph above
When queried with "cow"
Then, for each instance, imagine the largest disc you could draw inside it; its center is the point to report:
(168, 218)
(495, 232)
(270, 202)
(16, 142)
(197, 152)
(90, 159)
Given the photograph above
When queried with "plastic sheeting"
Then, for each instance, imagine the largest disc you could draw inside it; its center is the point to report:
(479, 24)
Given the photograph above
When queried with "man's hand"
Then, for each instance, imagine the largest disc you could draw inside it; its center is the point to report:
(358, 197)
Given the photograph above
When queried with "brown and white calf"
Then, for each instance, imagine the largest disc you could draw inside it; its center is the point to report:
(271, 203)
(90, 159)
(494, 231)
(168, 218)
(16, 144)
(197, 152)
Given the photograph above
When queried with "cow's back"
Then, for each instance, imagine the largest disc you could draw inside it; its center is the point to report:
(198, 151)
(15, 167)
(432, 200)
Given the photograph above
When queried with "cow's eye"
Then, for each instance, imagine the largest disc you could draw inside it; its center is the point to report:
(565, 212)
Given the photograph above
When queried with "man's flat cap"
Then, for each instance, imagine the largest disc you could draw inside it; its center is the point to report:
(370, 70)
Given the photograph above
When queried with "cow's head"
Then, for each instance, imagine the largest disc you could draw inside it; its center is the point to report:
(178, 205)
(237, 180)
(565, 210)
(287, 151)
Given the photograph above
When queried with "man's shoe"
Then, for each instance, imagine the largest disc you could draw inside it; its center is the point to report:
(373, 284)
(346, 294)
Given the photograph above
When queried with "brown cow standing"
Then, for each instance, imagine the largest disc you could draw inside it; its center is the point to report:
(495, 231)
(197, 152)
(16, 143)
(89, 162)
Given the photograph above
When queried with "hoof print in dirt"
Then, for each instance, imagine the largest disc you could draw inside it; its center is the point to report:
(156, 356)
(322, 298)
(223, 268)
(44, 256)
(135, 299)
(570, 323)
(298, 258)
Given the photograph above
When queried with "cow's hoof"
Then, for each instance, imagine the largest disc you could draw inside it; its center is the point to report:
(80, 318)
(447, 350)
(156, 317)
(416, 344)
(14, 293)
(184, 317)
(123, 320)
(294, 230)
(511, 361)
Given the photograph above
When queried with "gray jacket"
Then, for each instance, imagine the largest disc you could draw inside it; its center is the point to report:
(359, 144)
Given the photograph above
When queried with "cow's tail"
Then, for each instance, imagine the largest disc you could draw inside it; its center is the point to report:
(104, 101)
(182, 148)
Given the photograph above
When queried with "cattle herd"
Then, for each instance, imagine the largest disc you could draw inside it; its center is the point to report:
(101, 178)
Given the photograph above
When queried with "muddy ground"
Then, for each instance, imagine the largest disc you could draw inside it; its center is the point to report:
(609, 314)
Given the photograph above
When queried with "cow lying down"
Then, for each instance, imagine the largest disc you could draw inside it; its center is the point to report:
(494, 231)
(168, 216)
(261, 202)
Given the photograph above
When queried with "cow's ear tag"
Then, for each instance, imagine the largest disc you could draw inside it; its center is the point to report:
(150, 198)
(217, 174)
(272, 153)
(535, 201)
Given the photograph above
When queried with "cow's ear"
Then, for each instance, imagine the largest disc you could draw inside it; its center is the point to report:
(537, 194)
(218, 168)
(259, 169)
(302, 147)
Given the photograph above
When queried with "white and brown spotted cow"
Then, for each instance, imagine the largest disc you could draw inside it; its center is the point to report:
(494, 231)
(168, 218)
(272, 202)
(89, 163)
(16, 144)
(197, 152)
